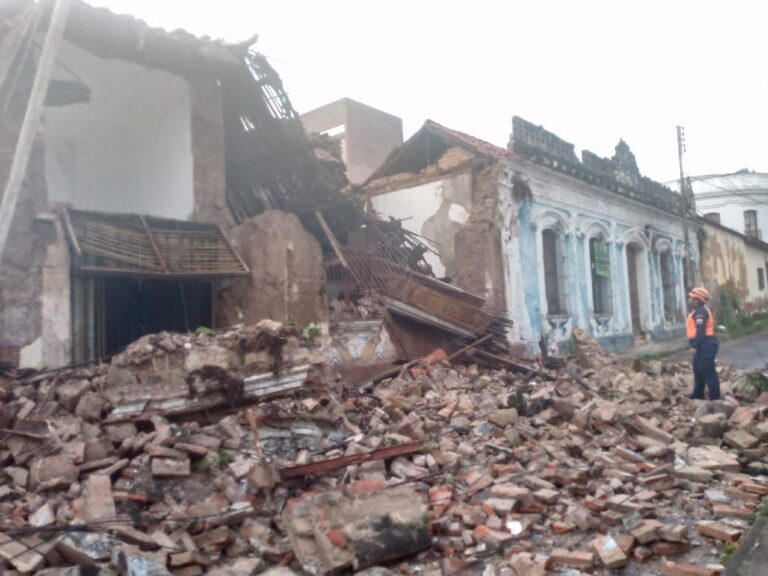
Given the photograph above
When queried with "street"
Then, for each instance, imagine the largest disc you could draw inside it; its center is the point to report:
(745, 353)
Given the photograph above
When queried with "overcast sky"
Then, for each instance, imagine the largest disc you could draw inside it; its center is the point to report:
(589, 71)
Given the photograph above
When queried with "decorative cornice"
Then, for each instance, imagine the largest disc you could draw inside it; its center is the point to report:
(619, 174)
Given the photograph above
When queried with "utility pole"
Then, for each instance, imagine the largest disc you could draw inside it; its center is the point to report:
(31, 120)
(688, 272)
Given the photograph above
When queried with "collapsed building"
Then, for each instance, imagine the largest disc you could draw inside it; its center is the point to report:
(171, 186)
(552, 241)
(153, 146)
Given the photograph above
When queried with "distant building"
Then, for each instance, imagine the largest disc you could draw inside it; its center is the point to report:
(738, 201)
(733, 268)
(366, 135)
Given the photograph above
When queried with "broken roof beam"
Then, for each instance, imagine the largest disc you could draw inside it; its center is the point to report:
(331, 464)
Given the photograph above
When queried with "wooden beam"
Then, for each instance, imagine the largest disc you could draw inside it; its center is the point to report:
(332, 238)
(71, 233)
(343, 461)
(152, 242)
(31, 120)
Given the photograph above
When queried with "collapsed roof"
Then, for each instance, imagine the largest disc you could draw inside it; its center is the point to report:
(271, 163)
(427, 145)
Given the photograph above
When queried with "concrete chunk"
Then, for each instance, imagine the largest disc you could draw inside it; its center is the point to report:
(86, 547)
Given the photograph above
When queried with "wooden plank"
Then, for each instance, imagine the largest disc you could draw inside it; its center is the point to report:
(71, 233)
(342, 461)
(134, 273)
(232, 250)
(332, 238)
(160, 259)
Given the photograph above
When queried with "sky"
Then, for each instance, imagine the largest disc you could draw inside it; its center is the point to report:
(591, 71)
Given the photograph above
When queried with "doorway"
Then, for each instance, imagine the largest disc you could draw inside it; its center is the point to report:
(634, 287)
(111, 312)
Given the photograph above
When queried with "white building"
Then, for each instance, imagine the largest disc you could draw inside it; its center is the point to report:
(738, 201)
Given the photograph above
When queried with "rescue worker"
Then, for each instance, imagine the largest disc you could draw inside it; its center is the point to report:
(700, 329)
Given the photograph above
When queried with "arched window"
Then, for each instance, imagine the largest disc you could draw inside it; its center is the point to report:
(600, 265)
(750, 224)
(713, 217)
(555, 281)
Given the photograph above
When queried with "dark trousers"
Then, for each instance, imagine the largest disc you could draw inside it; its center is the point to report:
(704, 373)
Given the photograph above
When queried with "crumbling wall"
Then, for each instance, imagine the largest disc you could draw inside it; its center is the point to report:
(210, 176)
(477, 245)
(756, 258)
(21, 281)
(286, 273)
(437, 210)
(724, 266)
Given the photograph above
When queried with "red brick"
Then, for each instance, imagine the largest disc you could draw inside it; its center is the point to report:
(575, 559)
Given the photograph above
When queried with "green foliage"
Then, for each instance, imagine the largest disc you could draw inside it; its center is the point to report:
(310, 331)
(728, 552)
(204, 330)
(758, 380)
(218, 460)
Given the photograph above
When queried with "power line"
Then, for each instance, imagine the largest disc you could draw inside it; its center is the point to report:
(736, 192)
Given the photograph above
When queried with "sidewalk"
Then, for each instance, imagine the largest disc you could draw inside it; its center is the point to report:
(751, 559)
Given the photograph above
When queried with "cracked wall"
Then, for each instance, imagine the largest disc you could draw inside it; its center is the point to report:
(286, 280)
(436, 210)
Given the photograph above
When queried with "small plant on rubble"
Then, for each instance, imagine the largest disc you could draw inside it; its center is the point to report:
(204, 330)
(728, 552)
(219, 460)
(310, 332)
(758, 380)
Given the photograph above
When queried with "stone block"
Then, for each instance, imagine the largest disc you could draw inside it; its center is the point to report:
(52, 472)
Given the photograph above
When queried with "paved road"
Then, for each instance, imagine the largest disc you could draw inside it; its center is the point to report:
(746, 353)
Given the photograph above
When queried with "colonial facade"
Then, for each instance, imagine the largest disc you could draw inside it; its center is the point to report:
(589, 243)
(553, 241)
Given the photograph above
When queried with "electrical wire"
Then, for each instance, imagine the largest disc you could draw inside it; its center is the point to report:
(734, 191)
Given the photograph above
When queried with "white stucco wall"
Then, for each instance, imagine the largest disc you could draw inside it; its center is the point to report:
(730, 195)
(435, 210)
(129, 148)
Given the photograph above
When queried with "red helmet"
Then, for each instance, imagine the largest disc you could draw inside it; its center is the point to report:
(700, 293)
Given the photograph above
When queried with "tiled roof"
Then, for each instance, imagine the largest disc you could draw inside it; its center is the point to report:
(463, 139)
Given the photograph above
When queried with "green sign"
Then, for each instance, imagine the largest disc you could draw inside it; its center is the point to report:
(602, 259)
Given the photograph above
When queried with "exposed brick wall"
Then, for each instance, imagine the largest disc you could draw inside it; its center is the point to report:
(478, 244)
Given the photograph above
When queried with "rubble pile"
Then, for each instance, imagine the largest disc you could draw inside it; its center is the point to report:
(239, 453)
